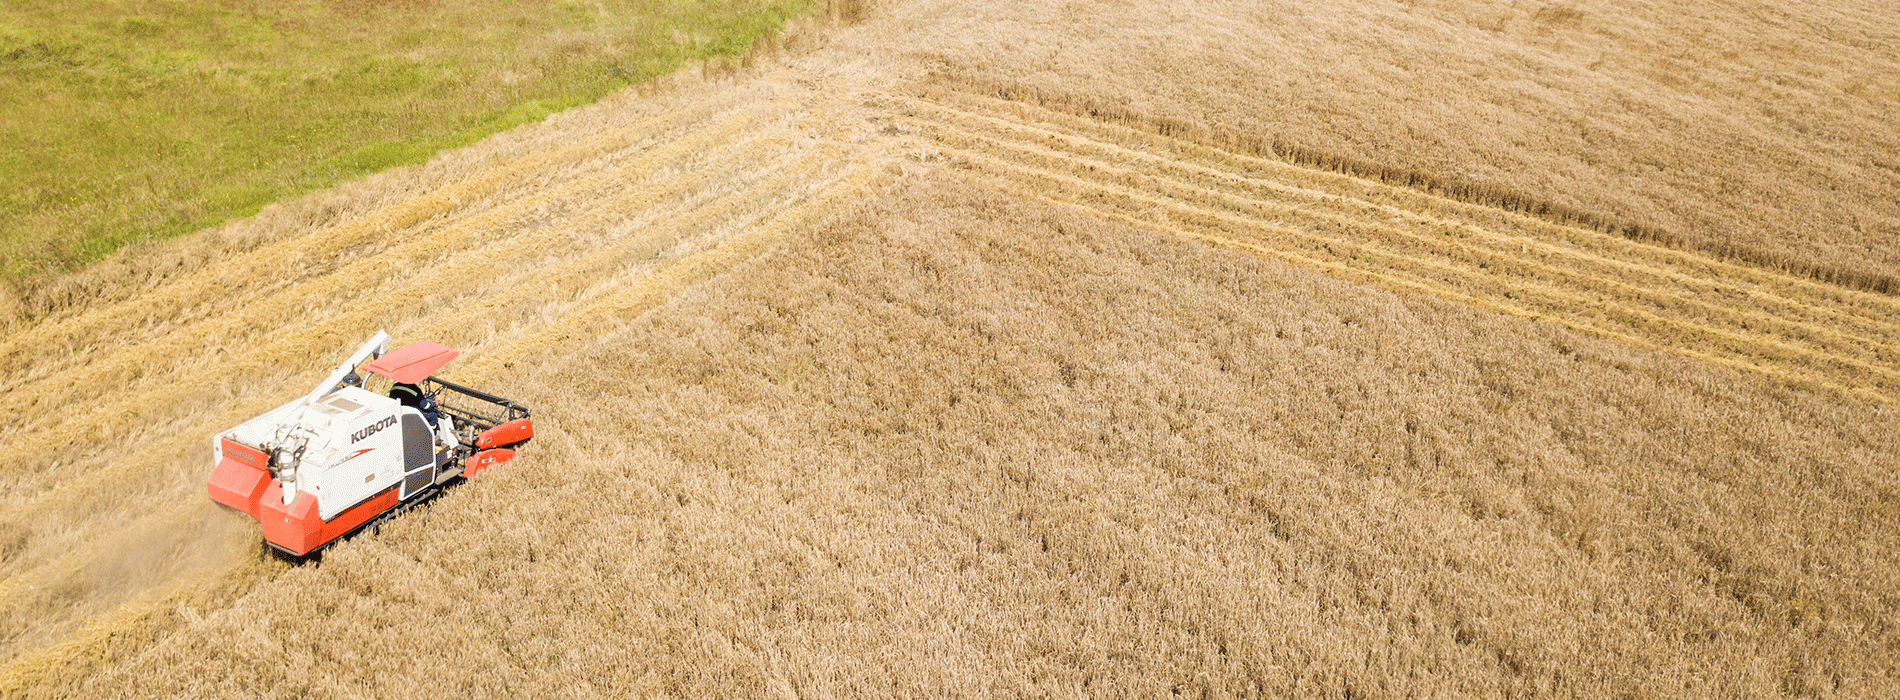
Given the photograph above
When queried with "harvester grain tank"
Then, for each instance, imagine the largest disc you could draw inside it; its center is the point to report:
(378, 436)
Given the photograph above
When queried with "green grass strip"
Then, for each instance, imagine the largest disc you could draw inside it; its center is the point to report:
(123, 121)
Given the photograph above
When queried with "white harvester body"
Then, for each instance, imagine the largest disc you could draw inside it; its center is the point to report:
(349, 450)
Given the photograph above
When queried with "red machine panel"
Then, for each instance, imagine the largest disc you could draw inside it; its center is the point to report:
(413, 362)
(481, 461)
(505, 434)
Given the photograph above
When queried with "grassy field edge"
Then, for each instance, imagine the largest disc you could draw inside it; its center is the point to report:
(158, 172)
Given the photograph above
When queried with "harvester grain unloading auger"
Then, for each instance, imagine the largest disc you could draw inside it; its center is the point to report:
(380, 435)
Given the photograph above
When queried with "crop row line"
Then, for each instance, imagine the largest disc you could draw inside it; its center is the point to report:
(1315, 227)
(741, 222)
(648, 283)
(208, 290)
(1410, 201)
(132, 406)
(1854, 332)
(1494, 254)
(411, 264)
(1347, 271)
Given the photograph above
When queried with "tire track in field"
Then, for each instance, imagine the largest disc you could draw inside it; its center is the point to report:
(1791, 328)
(229, 580)
(1338, 258)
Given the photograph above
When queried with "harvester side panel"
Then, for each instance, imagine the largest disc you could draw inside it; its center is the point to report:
(369, 458)
(418, 454)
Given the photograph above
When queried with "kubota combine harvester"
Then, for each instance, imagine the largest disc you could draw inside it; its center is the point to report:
(361, 448)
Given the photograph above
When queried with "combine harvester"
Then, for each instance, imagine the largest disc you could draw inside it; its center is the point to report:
(360, 449)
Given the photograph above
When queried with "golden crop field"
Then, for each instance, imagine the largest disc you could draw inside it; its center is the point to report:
(1033, 348)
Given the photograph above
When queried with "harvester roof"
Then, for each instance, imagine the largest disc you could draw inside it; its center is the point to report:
(412, 363)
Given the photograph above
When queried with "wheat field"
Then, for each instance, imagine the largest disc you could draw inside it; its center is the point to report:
(1007, 349)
